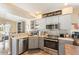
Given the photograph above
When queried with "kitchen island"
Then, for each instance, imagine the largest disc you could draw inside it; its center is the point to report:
(19, 43)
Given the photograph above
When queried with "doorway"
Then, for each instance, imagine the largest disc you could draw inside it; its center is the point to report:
(4, 38)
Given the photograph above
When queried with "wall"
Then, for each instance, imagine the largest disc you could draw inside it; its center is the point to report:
(67, 10)
(75, 18)
(74, 11)
(76, 15)
(13, 24)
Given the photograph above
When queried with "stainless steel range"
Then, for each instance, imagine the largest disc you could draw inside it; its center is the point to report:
(51, 45)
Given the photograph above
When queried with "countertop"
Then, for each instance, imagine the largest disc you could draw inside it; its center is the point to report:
(71, 50)
(19, 35)
(69, 39)
(24, 35)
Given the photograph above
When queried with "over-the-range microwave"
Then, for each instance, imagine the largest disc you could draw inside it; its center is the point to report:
(52, 26)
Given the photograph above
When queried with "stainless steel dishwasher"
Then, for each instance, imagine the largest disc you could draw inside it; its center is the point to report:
(23, 45)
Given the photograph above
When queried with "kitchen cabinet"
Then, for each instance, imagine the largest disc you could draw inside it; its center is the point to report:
(34, 24)
(19, 46)
(47, 21)
(33, 42)
(42, 24)
(62, 43)
(65, 22)
(14, 46)
(52, 20)
(21, 27)
(41, 43)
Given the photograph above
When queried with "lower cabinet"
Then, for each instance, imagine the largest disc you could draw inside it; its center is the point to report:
(33, 43)
(62, 44)
(14, 46)
(41, 43)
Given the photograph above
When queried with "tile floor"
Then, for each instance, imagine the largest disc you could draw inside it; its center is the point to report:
(36, 52)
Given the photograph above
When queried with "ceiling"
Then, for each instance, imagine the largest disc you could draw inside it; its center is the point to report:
(15, 10)
(40, 7)
(30, 10)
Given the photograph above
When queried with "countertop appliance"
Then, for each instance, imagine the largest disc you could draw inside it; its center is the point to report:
(62, 35)
(75, 35)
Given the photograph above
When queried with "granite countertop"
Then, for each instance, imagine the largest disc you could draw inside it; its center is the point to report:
(24, 35)
(20, 35)
(38, 36)
(69, 39)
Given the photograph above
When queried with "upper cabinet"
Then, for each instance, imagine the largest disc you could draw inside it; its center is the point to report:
(21, 27)
(36, 24)
(42, 24)
(65, 22)
(32, 24)
(52, 20)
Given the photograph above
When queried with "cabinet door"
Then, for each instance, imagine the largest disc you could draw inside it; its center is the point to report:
(15, 46)
(31, 43)
(52, 20)
(21, 27)
(42, 24)
(41, 43)
(36, 42)
(65, 22)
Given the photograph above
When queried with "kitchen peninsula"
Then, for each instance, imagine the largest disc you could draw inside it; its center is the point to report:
(23, 41)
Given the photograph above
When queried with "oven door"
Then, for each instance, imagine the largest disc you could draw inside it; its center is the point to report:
(51, 44)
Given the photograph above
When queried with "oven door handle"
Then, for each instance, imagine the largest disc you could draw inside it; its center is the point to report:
(52, 40)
